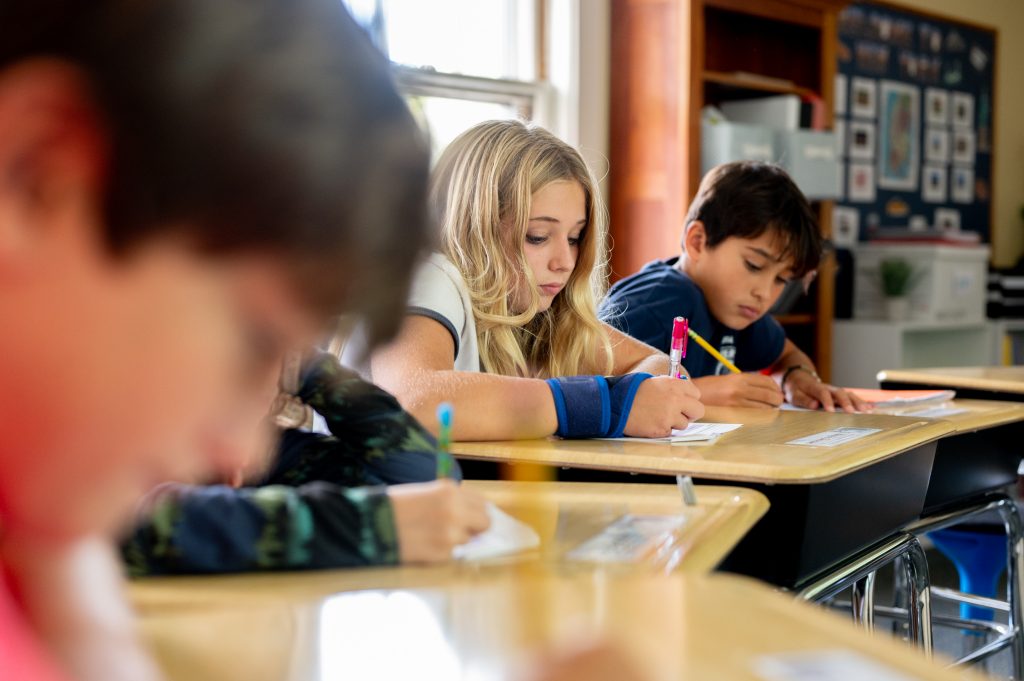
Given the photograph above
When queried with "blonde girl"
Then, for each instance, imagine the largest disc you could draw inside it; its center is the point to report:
(501, 322)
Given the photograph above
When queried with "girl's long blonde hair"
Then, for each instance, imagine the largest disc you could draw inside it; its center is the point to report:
(481, 190)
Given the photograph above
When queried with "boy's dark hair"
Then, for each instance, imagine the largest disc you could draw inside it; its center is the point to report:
(262, 125)
(746, 198)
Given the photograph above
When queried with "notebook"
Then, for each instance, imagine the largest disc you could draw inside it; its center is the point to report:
(505, 536)
(901, 398)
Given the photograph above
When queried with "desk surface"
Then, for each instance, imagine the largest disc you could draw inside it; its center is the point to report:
(757, 452)
(972, 414)
(996, 379)
(564, 514)
(671, 626)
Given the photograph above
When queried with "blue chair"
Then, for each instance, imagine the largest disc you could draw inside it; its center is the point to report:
(979, 555)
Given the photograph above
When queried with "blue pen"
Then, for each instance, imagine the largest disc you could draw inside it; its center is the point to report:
(444, 436)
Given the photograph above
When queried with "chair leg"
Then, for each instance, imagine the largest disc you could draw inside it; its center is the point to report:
(915, 566)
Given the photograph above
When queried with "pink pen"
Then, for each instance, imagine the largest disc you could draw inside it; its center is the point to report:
(680, 332)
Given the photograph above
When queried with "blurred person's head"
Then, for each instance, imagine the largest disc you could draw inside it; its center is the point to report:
(187, 189)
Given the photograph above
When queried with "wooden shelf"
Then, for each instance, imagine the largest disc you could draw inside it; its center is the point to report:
(670, 59)
(794, 319)
(753, 82)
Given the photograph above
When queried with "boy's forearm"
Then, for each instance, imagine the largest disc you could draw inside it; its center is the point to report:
(192, 529)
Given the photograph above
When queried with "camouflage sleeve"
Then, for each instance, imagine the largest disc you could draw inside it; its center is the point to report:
(358, 413)
(206, 529)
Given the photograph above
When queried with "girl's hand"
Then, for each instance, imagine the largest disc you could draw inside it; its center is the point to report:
(661, 404)
(804, 389)
(740, 390)
(432, 518)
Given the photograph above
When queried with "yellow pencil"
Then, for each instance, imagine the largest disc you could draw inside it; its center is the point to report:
(714, 353)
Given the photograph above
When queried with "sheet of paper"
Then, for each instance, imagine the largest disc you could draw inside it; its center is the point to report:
(695, 432)
(934, 412)
(628, 539)
(505, 536)
(834, 437)
(824, 665)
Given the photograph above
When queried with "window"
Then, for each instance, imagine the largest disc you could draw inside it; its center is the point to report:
(460, 62)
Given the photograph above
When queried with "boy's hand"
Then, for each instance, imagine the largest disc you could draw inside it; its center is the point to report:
(740, 390)
(804, 389)
(432, 518)
(661, 404)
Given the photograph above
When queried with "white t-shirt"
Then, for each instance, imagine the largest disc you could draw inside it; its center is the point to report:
(439, 292)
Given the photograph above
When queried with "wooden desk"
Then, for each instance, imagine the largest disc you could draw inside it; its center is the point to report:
(981, 454)
(564, 514)
(757, 452)
(1002, 383)
(567, 513)
(826, 502)
(672, 627)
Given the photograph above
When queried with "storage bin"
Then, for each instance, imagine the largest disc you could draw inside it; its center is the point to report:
(809, 156)
(949, 281)
(723, 142)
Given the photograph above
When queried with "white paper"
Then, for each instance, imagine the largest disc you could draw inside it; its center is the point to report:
(934, 412)
(695, 432)
(628, 539)
(834, 437)
(824, 665)
(505, 536)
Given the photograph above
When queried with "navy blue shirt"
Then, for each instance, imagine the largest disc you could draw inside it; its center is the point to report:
(643, 305)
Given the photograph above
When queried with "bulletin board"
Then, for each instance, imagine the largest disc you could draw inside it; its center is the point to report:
(913, 117)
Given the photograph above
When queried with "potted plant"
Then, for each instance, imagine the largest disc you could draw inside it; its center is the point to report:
(898, 277)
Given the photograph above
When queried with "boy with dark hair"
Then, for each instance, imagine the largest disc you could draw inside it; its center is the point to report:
(749, 232)
(187, 190)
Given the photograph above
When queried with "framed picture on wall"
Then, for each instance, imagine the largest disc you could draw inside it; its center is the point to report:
(862, 98)
(861, 143)
(963, 146)
(934, 183)
(961, 186)
(845, 226)
(963, 110)
(936, 145)
(898, 135)
(936, 106)
(860, 182)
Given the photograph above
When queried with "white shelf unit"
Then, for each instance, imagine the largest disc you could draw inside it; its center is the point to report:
(862, 348)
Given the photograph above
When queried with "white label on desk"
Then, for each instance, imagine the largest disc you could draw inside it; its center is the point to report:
(628, 539)
(935, 412)
(834, 437)
(824, 665)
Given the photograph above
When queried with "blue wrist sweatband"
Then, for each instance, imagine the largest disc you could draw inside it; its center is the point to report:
(594, 406)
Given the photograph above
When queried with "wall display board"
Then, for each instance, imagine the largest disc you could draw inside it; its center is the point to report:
(914, 99)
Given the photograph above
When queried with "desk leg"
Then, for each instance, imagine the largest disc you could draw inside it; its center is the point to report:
(1012, 525)
(903, 547)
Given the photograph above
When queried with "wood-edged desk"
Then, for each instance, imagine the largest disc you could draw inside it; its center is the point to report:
(682, 626)
(826, 502)
(999, 383)
(565, 514)
(981, 454)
